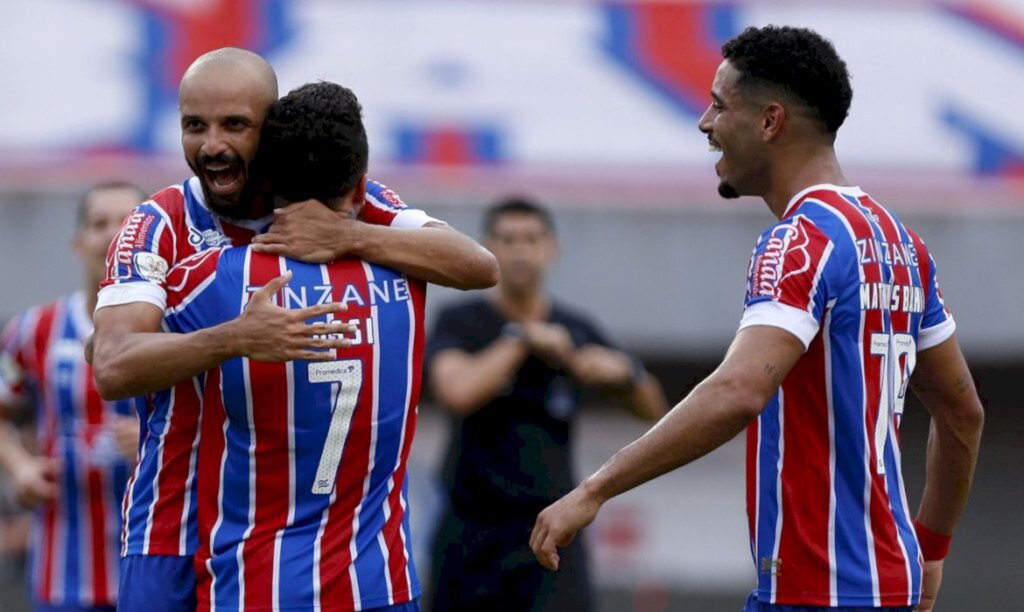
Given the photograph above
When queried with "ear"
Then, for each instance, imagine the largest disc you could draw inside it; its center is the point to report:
(359, 191)
(773, 118)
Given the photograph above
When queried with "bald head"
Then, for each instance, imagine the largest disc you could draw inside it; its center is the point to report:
(241, 65)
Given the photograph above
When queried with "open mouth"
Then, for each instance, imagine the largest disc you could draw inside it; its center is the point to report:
(223, 178)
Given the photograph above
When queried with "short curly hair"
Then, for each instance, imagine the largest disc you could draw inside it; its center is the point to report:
(797, 61)
(313, 143)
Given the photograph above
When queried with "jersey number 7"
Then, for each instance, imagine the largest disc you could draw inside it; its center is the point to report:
(346, 378)
(894, 385)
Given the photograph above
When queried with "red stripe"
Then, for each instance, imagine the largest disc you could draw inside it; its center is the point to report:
(662, 29)
(803, 576)
(753, 452)
(802, 259)
(397, 559)
(335, 552)
(211, 455)
(98, 532)
(183, 425)
(270, 422)
(42, 335)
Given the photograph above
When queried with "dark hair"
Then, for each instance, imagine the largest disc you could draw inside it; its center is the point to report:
(516, 206)
(313, 143)
(797, 61)
(83, 202)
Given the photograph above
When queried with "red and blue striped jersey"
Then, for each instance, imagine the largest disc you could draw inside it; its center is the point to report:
(828, 516)
(74, 542)
(302, 469)
(171, 226)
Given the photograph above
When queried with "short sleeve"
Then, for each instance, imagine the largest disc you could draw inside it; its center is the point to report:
(139, 258)
(787, 284)
(937, 324)
(384, 207)
(451, 331)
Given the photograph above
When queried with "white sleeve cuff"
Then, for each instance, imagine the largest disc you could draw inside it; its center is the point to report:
(413, 218)
(796, 321)
(935, 335)
(129, 293)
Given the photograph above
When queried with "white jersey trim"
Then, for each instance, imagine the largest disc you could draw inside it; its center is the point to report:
(935, 335)
(796, 321)
(413, 218)
(129, 293)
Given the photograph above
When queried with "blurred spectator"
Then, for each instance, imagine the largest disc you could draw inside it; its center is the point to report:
(76, 474)
(510, 367)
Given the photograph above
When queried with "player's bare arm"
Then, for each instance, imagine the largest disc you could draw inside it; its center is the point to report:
(435, 253)
(131, 357)
(465, 382)
(943, 383)
(596, 365)
(712, 414)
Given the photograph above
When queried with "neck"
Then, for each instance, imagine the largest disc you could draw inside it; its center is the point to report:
(531, 305)
(801, 170)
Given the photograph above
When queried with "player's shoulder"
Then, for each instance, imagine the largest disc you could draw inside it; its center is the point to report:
(170, 200)
(466, 309)
(382, 196)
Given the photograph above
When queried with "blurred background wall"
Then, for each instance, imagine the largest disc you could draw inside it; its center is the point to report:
(591, 107)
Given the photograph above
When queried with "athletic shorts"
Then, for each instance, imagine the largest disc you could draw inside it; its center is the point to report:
(157, 583)
(753, 605)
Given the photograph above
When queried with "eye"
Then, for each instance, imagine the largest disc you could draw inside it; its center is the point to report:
(191, 125)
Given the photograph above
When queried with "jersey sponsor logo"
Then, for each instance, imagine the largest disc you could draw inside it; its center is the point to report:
(210, 237)
(151, 266)
(133, 236)
(785, 255)
(391, 197)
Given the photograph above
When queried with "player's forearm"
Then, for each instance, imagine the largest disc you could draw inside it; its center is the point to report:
(711, 415)
(952, 455)
(439, 255)
(465, 384)
(12, 451)
(137, 363)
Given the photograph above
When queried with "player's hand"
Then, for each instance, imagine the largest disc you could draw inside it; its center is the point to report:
(309, 231)
(126, 435)
(268, 332)
(549, 341)
(559, 523)
(930, 585)
(35, 481)
(600, 366)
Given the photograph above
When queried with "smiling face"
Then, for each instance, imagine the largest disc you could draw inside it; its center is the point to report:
(733, 127)
(221, 113)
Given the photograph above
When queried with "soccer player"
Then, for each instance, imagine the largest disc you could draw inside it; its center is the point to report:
(224, 97)
(842, 313)
(85, 447)
(302, 490)
(510, 367)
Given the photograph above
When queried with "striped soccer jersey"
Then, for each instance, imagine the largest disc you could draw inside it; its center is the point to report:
(74, 542)
(174, 224)
(828, 516)
(302, 488)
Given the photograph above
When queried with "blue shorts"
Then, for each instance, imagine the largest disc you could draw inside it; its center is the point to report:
(41, 607)
(753, 605)
(157, 583)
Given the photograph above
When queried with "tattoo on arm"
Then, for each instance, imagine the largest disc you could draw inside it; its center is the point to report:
(773, 372)
(961, 385)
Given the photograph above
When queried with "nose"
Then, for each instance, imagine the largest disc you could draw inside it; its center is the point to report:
(704, 123)
(214, 142)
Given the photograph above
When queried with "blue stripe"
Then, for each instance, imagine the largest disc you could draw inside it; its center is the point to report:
(392, 345)
(768, 473)
(66, 375)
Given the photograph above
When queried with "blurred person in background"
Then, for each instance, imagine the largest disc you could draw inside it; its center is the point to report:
(224, 97)
(842, 314)
(510, 367)
(75, 474)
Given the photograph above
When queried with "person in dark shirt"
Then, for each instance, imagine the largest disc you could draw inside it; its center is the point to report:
(510, 367)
